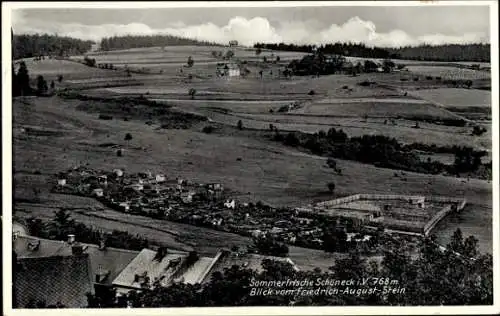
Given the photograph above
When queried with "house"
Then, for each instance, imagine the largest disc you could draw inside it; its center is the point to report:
(118, 172)
(125, 206)
(160, 178)
(215, 186)
(257, 233)
(150, 267)
(98, 192)
(233, 43)
(187, 197)
(55, 280)
(231, 204)
(217, 222)
(91, 266)
(61, 182)
(228, 70)
(103, 180)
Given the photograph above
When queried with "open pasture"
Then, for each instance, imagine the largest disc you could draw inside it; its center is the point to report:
(450, 73)
(454, 97)
(380, 108)
(50, 69)
(404, 131)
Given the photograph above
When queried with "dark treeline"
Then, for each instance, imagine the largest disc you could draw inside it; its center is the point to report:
(136, 41)
(385, 152)
(26, 46)
(450, 52)
(349, 49)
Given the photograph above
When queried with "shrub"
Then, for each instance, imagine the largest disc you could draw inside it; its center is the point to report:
(332, 163)
(119, 153)
(291, 139)
(428, 77)
(478, 130)
(365, 83)
(345, 87)
(239, 125)
(331, 186)
(283, 108)
(415, 79)
(208, 129)
(312, 92)
(192, 92)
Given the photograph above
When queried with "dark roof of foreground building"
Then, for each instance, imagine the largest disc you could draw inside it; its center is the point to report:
(108, 261)
(53, 280)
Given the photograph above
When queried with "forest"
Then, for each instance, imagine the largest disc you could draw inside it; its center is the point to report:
(448, 52)
(136, 41)
(26, 46)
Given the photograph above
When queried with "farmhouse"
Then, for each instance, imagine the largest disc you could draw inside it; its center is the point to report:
(125, 206)
(231, 204)
(98, 192)
(160, 178)
(118, 172)
(228, 70)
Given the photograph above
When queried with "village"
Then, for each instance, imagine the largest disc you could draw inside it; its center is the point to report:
(207, 205)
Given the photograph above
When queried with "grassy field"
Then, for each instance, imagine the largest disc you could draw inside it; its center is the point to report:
(452, 73)
(386, 108)
(51, 68)
(455, 98)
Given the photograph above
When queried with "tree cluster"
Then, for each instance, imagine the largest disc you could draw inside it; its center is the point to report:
(382, 151)
(268, 245)
(63, 225)
(136, 41)
(26, 46)
(446, 52)
(21, 81)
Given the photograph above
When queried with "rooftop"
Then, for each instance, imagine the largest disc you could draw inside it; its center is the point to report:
(110, 259)
(164, 270)
(53, 280)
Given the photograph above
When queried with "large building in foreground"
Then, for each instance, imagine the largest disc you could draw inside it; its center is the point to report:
(61, 273)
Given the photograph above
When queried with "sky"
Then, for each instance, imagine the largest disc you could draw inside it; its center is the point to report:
(388, 26)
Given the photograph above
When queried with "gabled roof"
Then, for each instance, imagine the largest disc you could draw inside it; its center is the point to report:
(54, 279)
(145, 264)
(110, 259)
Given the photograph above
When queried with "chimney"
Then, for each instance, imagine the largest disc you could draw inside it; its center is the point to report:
(71, 239)
(77, 250)
(102, 244)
